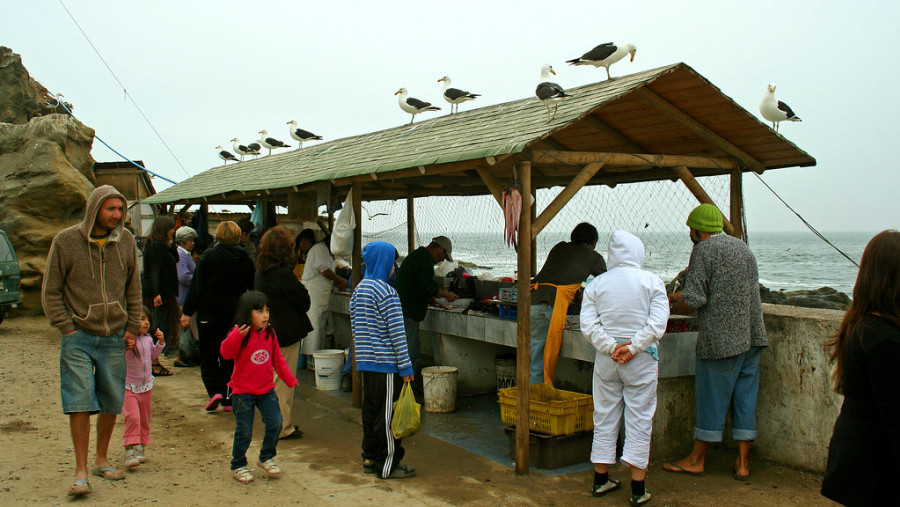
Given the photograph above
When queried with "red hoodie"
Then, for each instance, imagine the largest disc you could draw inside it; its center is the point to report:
(254, 364)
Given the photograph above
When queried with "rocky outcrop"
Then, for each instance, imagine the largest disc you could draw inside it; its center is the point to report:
(45, 171)
(824, 297)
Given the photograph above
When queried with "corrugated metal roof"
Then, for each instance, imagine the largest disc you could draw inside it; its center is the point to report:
(509, 128)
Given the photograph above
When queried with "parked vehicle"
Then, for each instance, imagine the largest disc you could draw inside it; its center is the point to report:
(9, 277)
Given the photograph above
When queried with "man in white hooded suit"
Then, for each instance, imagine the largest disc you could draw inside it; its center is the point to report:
(624, 314)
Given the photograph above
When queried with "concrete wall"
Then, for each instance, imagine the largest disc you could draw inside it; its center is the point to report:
(796, 408)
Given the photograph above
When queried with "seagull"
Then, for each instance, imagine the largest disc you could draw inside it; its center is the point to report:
(775, 111)
(240, 149)
(549, 93)
(605, 55)
(269, 142)
(455, 96)
(253, 149)
(301, 135)
(413, 106)
(225, 155)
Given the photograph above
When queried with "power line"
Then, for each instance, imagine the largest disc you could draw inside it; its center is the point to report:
(127, 95)
(807, 224)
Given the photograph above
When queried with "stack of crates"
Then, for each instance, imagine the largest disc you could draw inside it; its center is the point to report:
(552, 411)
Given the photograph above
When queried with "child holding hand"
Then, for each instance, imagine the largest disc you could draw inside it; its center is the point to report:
(138, 386)
(253, 346)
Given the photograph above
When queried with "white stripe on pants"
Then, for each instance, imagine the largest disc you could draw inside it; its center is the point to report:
(630, 389)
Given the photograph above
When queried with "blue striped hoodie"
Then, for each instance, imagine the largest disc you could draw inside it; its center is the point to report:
(376, 318)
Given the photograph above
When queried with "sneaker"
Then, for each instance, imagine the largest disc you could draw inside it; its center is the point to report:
(401, 472)
(131, 459)
(270, 467)
(139, 452)
(347, 384)
(368, 466)
(640, 500)
(602, 489)
(242, 475)
(214, 402)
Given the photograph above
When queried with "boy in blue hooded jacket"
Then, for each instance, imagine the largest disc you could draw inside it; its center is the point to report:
(382, 358)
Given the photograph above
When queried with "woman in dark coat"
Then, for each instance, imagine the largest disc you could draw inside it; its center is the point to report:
(160, 285)
(864, 454)
(288, 304)
(223, 273)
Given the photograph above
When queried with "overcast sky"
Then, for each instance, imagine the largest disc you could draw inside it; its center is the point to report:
(204, 72)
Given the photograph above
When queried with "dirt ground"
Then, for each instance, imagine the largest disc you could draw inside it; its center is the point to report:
(189, 458)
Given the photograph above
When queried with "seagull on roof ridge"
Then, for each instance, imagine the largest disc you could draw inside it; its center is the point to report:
(775, 111)
(269, 142)
(605, 55)
(225, 155)
(549, 93)
(300, 135)
(240, 149)
(455, 96)
(411, 105)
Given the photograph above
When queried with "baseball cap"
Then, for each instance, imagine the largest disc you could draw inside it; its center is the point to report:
(444, 241)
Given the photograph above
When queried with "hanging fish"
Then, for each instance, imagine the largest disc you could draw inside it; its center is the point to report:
(512, 211)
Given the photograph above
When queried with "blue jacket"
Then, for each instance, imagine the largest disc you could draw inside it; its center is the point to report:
(376, 318)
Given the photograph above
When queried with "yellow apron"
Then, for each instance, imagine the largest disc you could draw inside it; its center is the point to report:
(564, 296)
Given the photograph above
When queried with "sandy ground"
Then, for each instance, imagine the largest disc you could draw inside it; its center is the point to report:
(189, 457)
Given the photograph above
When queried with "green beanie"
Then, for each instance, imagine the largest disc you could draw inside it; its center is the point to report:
(705, 218)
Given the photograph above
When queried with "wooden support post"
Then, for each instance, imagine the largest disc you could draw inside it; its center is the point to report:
(265, 213)
(356, 271)
(737, 204)
(694, 186)
(410, 223)
(534, 236)
(563, 198)
(523, 341)
(492, 183)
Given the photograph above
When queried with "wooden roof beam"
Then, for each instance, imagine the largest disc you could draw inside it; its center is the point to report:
(698, 128)
(684, 174)
(632, 159)
(563, 198)
(604, 129)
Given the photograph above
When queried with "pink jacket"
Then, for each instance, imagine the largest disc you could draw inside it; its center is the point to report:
(254, 364)
(138, 362)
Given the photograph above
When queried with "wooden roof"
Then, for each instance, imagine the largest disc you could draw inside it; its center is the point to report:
(640, 126)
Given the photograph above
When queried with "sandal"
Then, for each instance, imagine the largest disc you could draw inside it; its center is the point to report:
(270, 467)
(242, 475)
(80, 487)
(161, 371)
(109, 472)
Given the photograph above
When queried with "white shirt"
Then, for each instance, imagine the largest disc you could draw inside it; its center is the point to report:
(318, 260)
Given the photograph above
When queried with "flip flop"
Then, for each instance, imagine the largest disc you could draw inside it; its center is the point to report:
(109, 472)
(80, 487)
(742, 478)
(678, 469)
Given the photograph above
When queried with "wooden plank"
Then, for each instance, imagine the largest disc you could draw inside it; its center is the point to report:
(523, 335)
(560, 201)
(694, 186)
(699, 129)
(645, 159)
(613, 134)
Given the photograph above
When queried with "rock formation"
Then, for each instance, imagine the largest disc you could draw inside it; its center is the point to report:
(45, 171)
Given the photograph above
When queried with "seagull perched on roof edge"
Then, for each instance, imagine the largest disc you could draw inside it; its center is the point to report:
(269, 142)
(549, 93)
(455, 96)
(225, 155)
(301, 135)
(605, 55)
(411, 105)
(775, 111)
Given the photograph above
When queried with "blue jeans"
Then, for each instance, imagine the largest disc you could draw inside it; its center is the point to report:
(733, 383)
(540, 324)
(243, 429)
(92, 372)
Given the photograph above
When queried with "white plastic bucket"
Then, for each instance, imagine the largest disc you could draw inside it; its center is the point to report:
(329, 363)
(440, 388)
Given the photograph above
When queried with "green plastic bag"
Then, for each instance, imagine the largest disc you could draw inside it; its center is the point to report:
(407, 419)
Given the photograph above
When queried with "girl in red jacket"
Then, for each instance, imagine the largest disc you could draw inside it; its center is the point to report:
(254, 348)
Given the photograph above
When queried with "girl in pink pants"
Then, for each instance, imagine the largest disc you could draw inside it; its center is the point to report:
(138, 386)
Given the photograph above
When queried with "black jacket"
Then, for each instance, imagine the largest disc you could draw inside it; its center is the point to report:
(288, 304)
(223, 274)
(160, 271)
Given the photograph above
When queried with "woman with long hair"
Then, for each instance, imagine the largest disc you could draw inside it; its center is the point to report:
(288, 304)
(223, 274)
(160, 285)
(864, 453)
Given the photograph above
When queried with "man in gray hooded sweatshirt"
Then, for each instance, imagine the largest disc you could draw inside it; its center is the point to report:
(92, 294)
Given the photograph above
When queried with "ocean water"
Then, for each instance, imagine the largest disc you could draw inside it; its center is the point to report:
(786, 260)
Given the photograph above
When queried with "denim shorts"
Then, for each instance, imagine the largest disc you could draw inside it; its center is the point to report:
(92, 372)
(723, 384)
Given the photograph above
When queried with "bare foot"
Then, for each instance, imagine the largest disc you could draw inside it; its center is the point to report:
(685, 466)
(741, 470)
